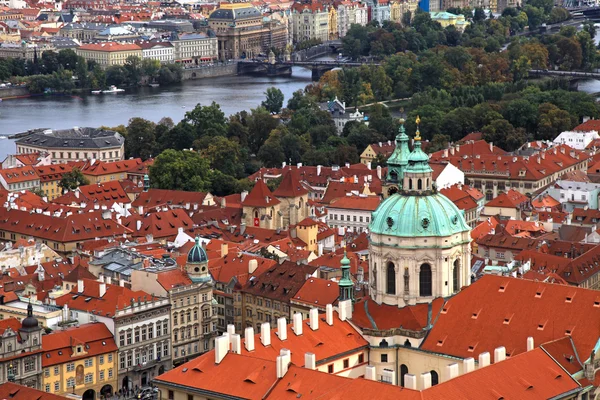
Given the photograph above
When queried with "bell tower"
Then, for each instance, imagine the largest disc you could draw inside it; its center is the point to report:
(346, 285)
(197, 263)
(397, 164)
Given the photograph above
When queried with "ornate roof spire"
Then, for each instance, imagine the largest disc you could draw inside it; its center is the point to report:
(418, 133)
(346, 285)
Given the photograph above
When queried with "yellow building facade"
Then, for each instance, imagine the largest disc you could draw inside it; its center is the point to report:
(110, 53)
(333, 23)
(80, 360)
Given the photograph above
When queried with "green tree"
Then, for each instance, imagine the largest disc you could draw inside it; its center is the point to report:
(553, 121)
(133, 68)
(180, 170)
(274, 100)
(207, 120)
(224, 155)
(406, 17)
(140, 139)
(116, 75)
(72, 180)
(150, 68)
(81, 72)
(535, 16)
(260, 124)
(271, 152)
(68, 59)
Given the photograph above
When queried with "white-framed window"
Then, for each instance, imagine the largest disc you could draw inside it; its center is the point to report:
(89, 378)
(70, 367)
(70, 382)
(89, 362)
(56, 386)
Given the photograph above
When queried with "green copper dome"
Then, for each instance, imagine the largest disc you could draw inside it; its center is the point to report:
(197, 254)
(410, 216)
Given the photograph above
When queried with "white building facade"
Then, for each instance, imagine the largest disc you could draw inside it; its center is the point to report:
(576, 139)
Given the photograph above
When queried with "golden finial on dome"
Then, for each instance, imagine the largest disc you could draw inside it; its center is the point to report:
(418, 120)
(418, 133)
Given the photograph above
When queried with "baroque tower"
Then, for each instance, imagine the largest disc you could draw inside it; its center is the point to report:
(419, 240)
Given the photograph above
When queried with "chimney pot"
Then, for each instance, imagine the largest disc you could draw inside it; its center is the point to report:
(236, 343)
(499, 354)
(252, 266)
(410, 381)
(370, 373)
(452, 371)
(310, 361)
(468, 365)
(314, 319)
(484, 359)
(329, 314)
(530, 343)
(265, 334)
(297, 324)
(426, 380)
(231, 329)
(224, 249)
(282, 328)
(80, 286)
(249, 338)
(221, 348)
(102, 288)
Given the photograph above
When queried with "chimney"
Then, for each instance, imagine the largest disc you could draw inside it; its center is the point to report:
(370, 373)
(223, 202)
(313, 315)
(122, 282)
(310, 361)
(224, 249)
(345, 309)
(369, 165)
(230, 329)
(389, 376)
(282, 366)
(243, 195)
(468, 365)
(236, 343)
(329, 314)
(499, 354)
(410, 381)
(102, 288)
(319, 170)
(282, 328)
(297, 324)
(320, 248)
(484, 359)
(491, 147)
(221, 348)
(101, 278)
(426, 380)
(249, 338)
(138, 224)
(379, 171)
(451, 371)
(252, 265)
(80, 286)
(76, 191)
(265, 334)
(530, 343)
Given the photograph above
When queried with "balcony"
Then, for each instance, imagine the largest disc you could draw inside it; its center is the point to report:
(147, 365)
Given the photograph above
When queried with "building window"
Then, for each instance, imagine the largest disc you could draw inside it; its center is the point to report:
(56, 370)
(89, 362)
(346, 363)
(89, 378)
(384, 358)
(171, 395)
(110, 358)
(102, 375)
(391, 278)
(47, 372)
(101, 359)
(330, 368)
(47, 388)
(361, 358)
(56, 386)
(70, 382)
(129, 337)
(425, 280)
(434, 378)
(110, 373)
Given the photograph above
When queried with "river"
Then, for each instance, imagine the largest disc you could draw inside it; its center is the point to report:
(232, 93)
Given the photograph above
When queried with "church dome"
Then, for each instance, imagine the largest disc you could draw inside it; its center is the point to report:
(197, 254)
(410, 216)
(30, 322)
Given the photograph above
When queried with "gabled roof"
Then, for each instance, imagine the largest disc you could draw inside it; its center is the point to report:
(589, 125)
(79, 272)
(159, 224)
(173, 278)
(281, 282)
(368, 314)
(290, 186)
(95, 338)
(236, 266)
(13, 391)
(509, 199)
(260, 196)
(317, 292)
(99, 168)
(499, 311)
(362, 203)
(19, 174)
(162, 197)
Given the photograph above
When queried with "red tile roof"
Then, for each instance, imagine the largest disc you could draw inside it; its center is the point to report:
(368, 314)
(290, 186)
(159, 224)
(17, 392)
(101, 194)
(19, 174)
(233, 265)
(260, 196)
(281, 282)
(317, 292)
(116, 298)
(499, 311)
(72, 228)
(173, 278)
(110, 47)
(510, 199)
(53, 172)
(363, 203)
(58, 346)
(589, 125)
(171, 198)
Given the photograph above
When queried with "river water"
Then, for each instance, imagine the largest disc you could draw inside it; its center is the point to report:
(232, 93)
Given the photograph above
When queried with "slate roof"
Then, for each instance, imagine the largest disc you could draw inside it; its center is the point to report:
(85, 138)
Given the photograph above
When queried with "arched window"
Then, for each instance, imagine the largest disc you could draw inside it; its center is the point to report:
(456, 277)
(410, 184)
(394, 176)
(255, 213)
(427, 187)
(391, 278)
(403, 371)
(434, 378)
(419, 184)
(407, 343)
(425, 280)
(392, 190)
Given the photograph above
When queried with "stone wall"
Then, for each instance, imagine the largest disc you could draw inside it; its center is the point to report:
(210, 72)
(13, 92)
